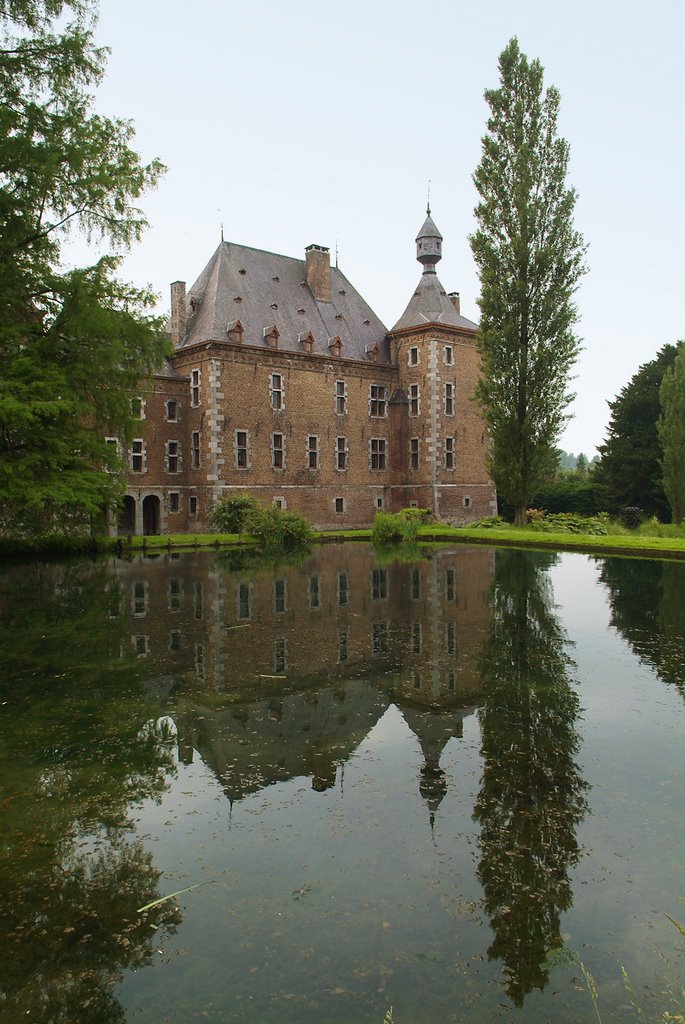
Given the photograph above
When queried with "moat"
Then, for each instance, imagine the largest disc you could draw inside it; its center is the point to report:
(452, 785)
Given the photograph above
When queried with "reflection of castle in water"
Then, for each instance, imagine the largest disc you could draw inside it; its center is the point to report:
(275, 673)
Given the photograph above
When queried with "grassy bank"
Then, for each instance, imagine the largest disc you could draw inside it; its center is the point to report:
(658, 542)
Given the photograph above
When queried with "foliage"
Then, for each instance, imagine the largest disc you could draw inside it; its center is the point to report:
(422, 515)
(631, 516)
(671, 430)
(573, 491)
(278, 528)
(228, 515)
(568, 522)
(75, 344)
(488, 523)
(530, 259)
(629, 471)
(394, 527)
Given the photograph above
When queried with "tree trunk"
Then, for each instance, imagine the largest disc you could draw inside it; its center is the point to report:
(520, 517)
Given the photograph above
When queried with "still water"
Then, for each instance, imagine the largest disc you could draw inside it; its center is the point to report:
(453, 786)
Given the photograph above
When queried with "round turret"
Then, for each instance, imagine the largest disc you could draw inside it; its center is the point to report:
(428, 244)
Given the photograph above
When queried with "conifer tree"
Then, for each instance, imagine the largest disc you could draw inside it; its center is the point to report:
(530, 259)
(671, 428)
(74, 344)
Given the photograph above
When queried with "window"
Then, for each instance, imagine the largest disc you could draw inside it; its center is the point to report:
(280, 596)
(312, 451)
(192, 505)
(279, 502)
(449, 399)
(138, 408)
(195, 388)
(415, 680)
(416, 637)
(449, 453)
(139, 598)
(377, 403)
(343, 589)
(276, 391)
(450, 584)
(340, 397)
(175, 640)
(448, 355)
(379, 584)
(378, 454)
(141, 646)
(451, 638)
(172, 411)
(343, 645)
(242, 449)
(174, 594)
(414, 453)
(138, 455)
(200, 661)
(413, 356)
(451, 680)
(415, 584)
(195, 450)
(198, 600)
(172, 456)
(244, 601)
(414, 400)
(173, 501)
(280, 656)
(380, 634)
(339, 506)
(379, 501)
(314, 591)
(277, 451)
(341, 453)
(466, 501)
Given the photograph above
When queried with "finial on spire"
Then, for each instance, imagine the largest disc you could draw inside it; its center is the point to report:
(336, 254)
(222, 232)
(428, 200)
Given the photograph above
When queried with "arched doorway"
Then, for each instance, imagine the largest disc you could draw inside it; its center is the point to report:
(127, 519)
(150, 515)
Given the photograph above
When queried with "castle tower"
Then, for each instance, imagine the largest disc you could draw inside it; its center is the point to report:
(434, 349)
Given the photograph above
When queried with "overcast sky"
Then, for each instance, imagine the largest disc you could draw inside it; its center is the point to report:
(312, 121)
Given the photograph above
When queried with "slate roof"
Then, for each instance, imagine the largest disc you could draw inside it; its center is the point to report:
(428, 229)
(430, 305)
(264, 289)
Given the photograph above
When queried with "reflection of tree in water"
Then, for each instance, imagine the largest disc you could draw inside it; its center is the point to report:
(531, 796)
(648, 609)
(77, 749)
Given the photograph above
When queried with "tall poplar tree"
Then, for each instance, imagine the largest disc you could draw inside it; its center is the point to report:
(530, 260)
(671, 428)
(74, 344)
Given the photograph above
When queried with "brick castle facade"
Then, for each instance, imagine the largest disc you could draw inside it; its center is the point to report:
(284, 384)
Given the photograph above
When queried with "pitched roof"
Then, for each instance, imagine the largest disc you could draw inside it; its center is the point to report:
(430, 305)
(264, 290)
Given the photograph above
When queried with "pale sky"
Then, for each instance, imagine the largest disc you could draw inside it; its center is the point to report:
(311, 121)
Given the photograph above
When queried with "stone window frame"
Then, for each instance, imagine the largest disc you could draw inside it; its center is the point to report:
(378, 584)
(172, 457)
(280, 656)
(339, 506)
(413, 356)
(138, 455)
(380, 637)
(378, 401)
(313, 452)
(173, 502)
(451, 637)
(278, 451)
(448, 355)
(279, 589)
(195, 384)
(276, 391)
(414, 453)
(193, 507)
(416, 636)
(278, 501)
(140, 598)
(450, 444)
(342, 590)
(175, 641)
(466, 501)
(340, 397)
(195, 449)
(238, 448)
(171, 410)
(343, 644)
(378, 454)
(415, 584)
(243, 587)
(450, 583)
(141, 645)
(314, 592)
(449, 398)
(414, 399)
(342, 454)
(174, 594)
(379, 501)
(451, 680)
(138, 404)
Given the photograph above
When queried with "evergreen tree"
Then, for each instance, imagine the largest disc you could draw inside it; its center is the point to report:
(629, 471)
(74, 344)
(671, 428)
(530, 259)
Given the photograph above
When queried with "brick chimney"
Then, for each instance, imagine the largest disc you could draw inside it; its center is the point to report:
(318, 266)
(454, 299)
(178, 312)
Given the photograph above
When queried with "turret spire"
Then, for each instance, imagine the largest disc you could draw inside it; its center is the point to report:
(428, 243)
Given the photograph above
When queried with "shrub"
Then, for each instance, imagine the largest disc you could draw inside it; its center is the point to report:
(392, 527)
(229, 515)
(568, 522)
(278, 528)
(488, 523)
(631, 516)
(422, 515)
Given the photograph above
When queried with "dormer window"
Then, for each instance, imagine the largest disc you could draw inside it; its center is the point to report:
(235, 332)
(335, 345)
(271, 336)
(306, 340)
(372, 353)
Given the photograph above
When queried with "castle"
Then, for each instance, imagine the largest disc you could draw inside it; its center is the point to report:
(284, 384)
